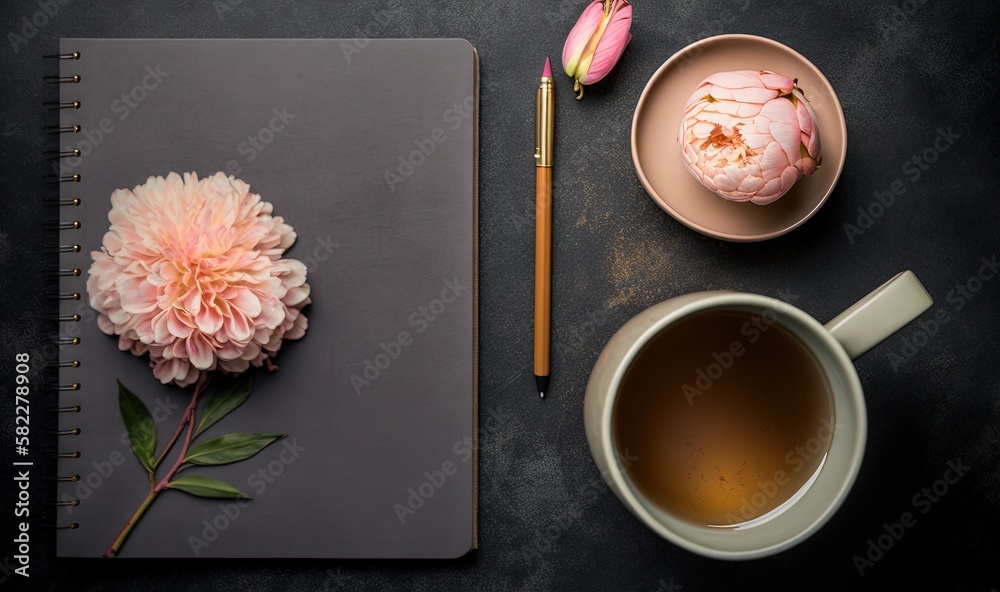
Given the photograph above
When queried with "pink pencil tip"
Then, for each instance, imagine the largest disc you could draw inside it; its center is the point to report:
(548, 69)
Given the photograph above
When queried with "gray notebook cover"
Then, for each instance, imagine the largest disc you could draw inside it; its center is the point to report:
(368, 149)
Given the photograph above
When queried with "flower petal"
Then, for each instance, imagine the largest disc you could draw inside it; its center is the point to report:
(200, 350)
(580, 35)
(612, 44)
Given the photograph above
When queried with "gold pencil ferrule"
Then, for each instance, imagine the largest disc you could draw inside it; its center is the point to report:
(545, 104)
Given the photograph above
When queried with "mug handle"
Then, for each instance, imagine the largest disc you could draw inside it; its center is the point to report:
(880, 314)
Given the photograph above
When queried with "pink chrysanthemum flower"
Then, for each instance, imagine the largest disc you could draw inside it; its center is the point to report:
(191, 272)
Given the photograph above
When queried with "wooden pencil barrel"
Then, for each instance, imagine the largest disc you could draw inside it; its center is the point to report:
(543, 268)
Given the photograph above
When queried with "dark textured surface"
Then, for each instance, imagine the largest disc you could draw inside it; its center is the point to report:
(903, 70)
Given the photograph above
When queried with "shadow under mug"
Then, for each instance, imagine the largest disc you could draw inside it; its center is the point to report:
(851, 334)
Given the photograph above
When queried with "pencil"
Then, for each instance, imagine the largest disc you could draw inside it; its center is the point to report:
(544, 136)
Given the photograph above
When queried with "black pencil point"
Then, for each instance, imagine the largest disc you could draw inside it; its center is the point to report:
(542, 382)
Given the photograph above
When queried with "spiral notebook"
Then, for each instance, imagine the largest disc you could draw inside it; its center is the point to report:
(357, 438)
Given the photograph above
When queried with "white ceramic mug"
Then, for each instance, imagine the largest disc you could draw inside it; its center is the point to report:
(852, 333)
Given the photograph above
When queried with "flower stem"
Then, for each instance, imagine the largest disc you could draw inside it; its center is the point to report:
(117, 545)
(173, 439)
(188, 419)
(187, 444)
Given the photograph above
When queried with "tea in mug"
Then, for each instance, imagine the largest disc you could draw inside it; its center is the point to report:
(725, 415)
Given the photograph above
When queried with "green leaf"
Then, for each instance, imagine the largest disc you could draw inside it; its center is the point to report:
(221, 402)
(230, 448)
(206, 487)
(140, 426)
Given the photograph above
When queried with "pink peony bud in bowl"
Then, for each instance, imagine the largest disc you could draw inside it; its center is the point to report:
(749, 135)
(597, 42)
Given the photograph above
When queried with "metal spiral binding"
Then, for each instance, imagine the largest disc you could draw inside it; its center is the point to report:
(65, 318)
(62, 129)
(63, 202)
(63, 178)
(60, 271)
(57, 154)
(63, 226)
(73, 364)
(65, 105)
(75, 272)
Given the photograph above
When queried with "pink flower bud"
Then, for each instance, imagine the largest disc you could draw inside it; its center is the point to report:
(749, 135)
(597, 42)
